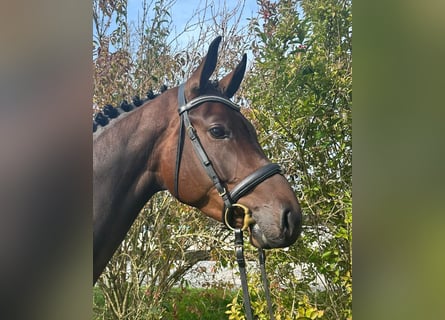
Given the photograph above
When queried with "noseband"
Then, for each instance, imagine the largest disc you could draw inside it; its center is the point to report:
(229, 198)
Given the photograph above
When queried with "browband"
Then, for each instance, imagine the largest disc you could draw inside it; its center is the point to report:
(207, 98)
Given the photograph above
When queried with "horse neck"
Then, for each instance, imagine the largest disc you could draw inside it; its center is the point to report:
(127, 155)
(126, 160)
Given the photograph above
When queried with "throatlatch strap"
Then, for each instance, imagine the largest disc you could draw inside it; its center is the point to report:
(181, 101)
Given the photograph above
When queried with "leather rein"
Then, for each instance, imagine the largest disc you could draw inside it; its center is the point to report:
(229, 198)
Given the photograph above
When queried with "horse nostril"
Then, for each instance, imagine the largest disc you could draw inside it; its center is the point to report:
(285, 225)
(289, 221)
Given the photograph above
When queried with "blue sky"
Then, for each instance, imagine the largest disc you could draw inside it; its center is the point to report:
(183, 10)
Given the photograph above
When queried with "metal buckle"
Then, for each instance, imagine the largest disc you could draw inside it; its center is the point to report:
(248, 220)
(223, 193)
(191, 132)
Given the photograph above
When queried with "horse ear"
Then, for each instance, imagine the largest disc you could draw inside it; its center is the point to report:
(198, 81)
(231, 82)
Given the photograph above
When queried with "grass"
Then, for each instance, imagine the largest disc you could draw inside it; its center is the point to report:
(185, 303)
(193, 303)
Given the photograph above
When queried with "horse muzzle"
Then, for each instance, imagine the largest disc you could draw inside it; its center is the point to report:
(266, 234)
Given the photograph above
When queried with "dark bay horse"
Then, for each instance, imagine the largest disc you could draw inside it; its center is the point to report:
(144, 151)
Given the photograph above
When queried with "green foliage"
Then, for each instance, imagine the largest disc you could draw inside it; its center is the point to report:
(184, 304)
(300, 90)
(191, 304)
(130, 59)
(292, 297)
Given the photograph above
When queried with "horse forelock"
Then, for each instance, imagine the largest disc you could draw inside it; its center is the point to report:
(213, 87)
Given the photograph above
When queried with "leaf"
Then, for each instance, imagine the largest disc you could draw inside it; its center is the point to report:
(326, 254)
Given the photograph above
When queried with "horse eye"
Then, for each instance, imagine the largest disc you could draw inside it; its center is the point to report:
(218, 132)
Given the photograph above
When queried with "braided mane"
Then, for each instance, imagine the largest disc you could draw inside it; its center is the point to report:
(102, 118)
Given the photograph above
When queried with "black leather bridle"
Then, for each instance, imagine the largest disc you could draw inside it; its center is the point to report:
(229, 198)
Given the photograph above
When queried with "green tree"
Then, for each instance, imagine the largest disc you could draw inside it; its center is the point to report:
(130, 58)
(300, 96)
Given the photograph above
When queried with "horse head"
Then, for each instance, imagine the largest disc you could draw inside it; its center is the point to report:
(229, 142)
